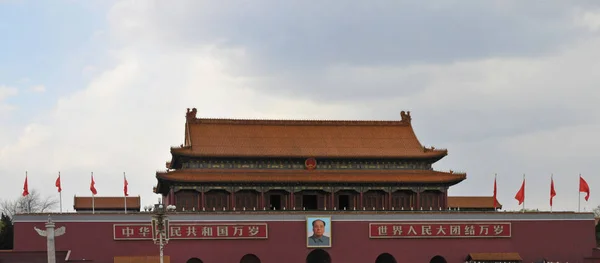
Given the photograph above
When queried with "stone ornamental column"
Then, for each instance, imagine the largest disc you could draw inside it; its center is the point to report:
(50, 233)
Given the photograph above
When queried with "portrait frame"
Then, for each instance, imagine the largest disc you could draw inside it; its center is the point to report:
(309, 231)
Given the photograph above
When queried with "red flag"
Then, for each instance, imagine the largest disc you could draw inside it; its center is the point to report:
(25, 187)
(495, 194)
(57, 183)
(552, 191)
(93, 186)
(125, 184)
(520, 196)
(584, 188)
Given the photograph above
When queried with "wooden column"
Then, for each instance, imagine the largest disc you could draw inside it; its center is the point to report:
(389, 206)
(361, 200)
(292, 198)
(418, 203)
(262, 199)
(232, 199)
(333, 199)
(171, 196)
(202, 200)
(445, 204)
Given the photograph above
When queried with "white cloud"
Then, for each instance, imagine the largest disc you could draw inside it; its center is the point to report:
(589, 19)
(38, 88)
(5, 92)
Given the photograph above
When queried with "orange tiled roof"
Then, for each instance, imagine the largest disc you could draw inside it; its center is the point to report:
(472, 202)
(494, 257)
(303, 138)
(106, 202)
(315, 176)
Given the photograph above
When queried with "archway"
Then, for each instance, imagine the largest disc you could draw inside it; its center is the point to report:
(194, 260)
(250, 258)
(437, 259)
(318, 256)
(385, 258)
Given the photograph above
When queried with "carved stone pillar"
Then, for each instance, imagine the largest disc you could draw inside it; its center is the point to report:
(50, 233)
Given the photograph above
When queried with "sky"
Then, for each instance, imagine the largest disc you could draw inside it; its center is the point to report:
(510, 88)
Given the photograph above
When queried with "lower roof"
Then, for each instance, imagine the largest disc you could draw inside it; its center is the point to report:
(310, 176)
(106, 202)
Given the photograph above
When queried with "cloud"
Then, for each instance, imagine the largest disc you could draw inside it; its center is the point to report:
(589, 19)
(38, 88)
(505, 95)
(5, 92)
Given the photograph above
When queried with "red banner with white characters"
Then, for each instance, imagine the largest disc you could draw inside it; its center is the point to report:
(193, 231)
(440, 230)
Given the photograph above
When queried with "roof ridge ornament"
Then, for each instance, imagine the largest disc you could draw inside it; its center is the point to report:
(191, 115)
(405, 116)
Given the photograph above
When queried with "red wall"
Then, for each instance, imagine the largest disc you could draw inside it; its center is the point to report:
(563, 241)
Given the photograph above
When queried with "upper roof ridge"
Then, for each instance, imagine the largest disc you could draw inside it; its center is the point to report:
(191, 118)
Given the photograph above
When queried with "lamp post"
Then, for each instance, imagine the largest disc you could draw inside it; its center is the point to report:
(160, 227)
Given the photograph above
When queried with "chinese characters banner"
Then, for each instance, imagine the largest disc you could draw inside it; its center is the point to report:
(440, 230)
(193, 231)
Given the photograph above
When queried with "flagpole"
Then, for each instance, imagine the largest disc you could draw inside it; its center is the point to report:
(552, 182)
(495, 194)
(125, 196)
(93, 205)
(60, 193)
(523, 193)
(579, 195)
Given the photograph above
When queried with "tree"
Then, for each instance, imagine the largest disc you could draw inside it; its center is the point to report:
(32, 203)
(598, 234)
(529, 210)
(6, 233)
(597, 211)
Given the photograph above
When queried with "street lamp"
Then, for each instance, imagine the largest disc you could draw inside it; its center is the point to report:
(160, 227)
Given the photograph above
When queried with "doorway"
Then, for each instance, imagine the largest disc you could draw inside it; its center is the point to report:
(309, 202)
(343, 202)
(275, 202)
(194, 260)
(437, 259)
(318, 256)
(385, 258)
(250, 258)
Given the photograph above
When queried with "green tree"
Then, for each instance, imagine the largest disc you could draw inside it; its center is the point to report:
(598, 234)
(6, 232)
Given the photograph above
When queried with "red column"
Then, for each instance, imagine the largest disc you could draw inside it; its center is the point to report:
(445, 205)
(262, 200)
(232, 199)
(333, 199)
(361, 200)
(418, 200)
(202, 200)
(171, 197)
(292, 199)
